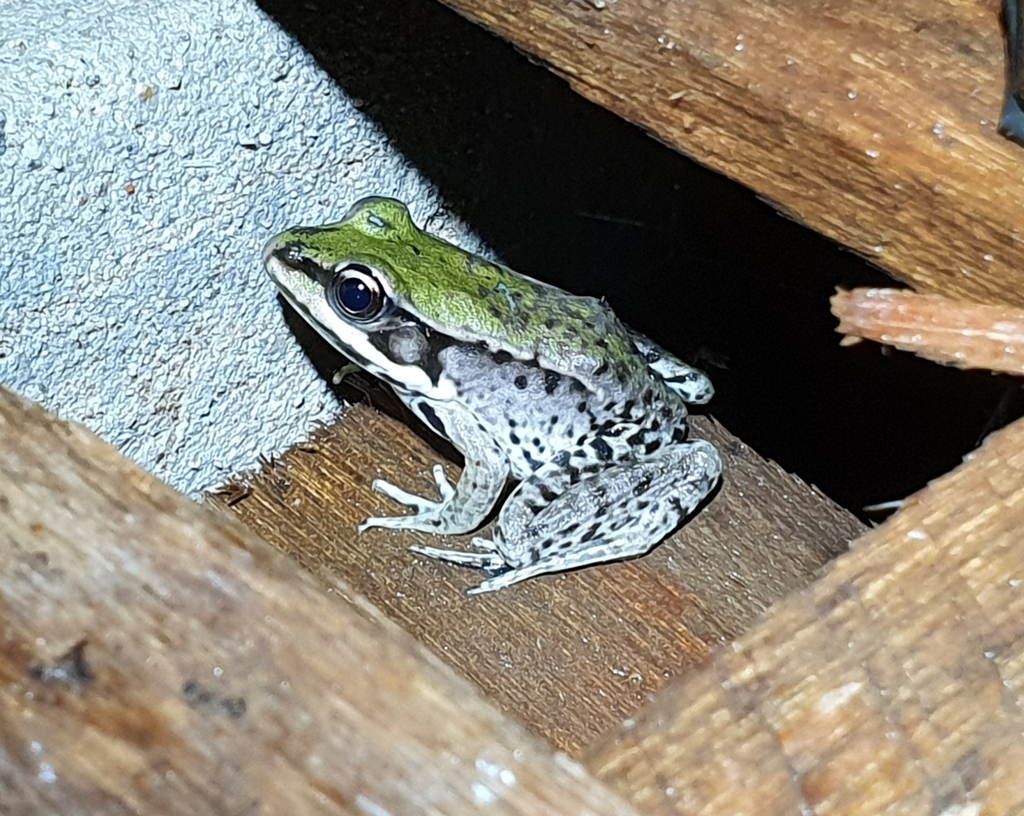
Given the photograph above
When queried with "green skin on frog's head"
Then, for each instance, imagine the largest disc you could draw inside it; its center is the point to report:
(377, 256)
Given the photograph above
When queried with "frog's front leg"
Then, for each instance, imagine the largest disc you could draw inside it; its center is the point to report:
(464, 507)
(620, 512)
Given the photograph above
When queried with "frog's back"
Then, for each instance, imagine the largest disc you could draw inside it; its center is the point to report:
(473, 299)
(533, 412)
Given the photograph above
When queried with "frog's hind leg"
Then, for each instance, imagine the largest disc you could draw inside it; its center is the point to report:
(690, 383)
(620, 512)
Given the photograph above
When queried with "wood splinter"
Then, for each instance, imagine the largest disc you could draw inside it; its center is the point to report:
(952, 332)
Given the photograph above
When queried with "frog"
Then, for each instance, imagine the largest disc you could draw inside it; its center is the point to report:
(530, 383)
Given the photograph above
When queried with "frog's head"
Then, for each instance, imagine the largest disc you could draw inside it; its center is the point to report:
(352, 281)
(362, 279)
(348, 265)
(374, 269)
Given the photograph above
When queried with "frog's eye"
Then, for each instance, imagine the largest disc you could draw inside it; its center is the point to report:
(355, 293)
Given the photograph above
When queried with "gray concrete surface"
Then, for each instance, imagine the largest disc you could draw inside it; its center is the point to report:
(147, 151)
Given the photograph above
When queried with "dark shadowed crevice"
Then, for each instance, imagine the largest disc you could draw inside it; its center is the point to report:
(569, 193)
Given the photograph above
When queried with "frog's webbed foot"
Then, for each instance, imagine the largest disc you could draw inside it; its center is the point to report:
(465, 506)
(428, 514)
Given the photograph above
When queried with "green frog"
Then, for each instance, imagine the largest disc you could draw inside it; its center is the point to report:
(528, 381)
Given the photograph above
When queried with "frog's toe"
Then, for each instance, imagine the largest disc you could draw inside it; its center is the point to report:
(484, 544)
(503, 579)
(444, 487)
(417, 503)
(479, 560)
(388, 523)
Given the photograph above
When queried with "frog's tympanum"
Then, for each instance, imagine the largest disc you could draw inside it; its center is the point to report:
(526, 380)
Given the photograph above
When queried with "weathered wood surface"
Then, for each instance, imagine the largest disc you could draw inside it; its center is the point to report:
(569, 655)
(952, 332)
(874, 123)
(895, 684)
(156, 657)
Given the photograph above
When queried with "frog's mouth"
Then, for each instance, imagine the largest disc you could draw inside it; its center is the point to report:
(288, 260)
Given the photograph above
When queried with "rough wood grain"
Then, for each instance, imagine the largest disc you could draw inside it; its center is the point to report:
(569, 655)
(895, 684)
(155, 657)
(872, 122)
(965, 335)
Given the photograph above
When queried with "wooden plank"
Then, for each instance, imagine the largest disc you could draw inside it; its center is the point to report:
(874, 123)
(156, 657)
(568, 655)
(965, 335)
(895, 684)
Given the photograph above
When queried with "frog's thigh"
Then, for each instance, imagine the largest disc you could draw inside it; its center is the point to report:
(618, 513)
(464, 507)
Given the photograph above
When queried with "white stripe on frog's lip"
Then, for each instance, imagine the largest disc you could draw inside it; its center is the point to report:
(268, 252)
(307, 298)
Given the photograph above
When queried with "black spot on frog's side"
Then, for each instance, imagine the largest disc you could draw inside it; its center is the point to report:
(547, 494)
(71, 668)
(521, 382)
(551, 381)
(602, 449)
(642, 486)
(431, 418)
(531, 462)
(198, 696)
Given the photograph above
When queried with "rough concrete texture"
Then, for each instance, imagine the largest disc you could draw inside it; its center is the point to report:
(146, 154)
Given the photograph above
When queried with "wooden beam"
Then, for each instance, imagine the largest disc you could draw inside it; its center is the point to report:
(156, 657)
(873, 123)
(568, 655)
(895, 684)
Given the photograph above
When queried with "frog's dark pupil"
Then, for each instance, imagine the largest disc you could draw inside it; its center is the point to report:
(355, 295)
